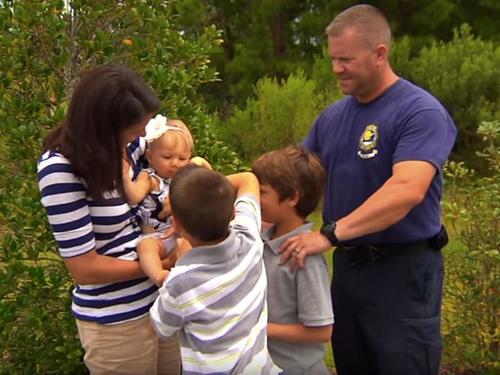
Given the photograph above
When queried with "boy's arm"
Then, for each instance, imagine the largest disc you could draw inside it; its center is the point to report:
(245, 183)
(314, 307)
(136, 190)
(166, 315)
(198, 160)
(297, 333)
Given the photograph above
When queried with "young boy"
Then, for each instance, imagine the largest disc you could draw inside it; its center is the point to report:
(216, 293)
(300, 308)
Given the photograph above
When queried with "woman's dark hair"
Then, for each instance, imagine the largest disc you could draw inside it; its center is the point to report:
(107, 101)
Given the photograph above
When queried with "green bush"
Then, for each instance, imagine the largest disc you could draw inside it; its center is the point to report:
(463, 74)
(44, 48)
(471, 303)
(281, 114)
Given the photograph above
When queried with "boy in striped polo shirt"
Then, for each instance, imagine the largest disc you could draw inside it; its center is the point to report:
(216, 294)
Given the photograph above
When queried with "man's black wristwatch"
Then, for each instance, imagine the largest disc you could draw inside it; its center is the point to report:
(328, 230)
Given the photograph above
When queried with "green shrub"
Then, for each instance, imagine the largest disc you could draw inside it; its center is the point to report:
(44, 48)
(463, 74)
(281, 114)
(471, 303)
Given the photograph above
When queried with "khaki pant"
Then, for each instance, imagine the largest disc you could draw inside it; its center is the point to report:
(130, 348)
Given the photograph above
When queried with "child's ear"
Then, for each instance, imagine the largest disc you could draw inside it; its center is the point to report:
(293, 199)
(234, 214)
(176, 225)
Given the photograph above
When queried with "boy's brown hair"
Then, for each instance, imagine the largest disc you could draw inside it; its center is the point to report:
(202, 202)
(289, 170)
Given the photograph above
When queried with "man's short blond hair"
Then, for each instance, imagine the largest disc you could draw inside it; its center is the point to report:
(370, 22)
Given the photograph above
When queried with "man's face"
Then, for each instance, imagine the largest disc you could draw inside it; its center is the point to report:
(354, 63)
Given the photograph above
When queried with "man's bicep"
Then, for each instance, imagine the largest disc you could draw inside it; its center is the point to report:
(418, 174)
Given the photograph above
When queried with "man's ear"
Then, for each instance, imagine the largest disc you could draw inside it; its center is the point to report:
(382, 54)
(293, 199)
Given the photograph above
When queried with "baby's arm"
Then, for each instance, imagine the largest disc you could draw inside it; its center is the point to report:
(297, 332)
(151, 252)
(136, 190)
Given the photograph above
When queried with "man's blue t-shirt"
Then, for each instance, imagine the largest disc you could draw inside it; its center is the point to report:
(358, 144)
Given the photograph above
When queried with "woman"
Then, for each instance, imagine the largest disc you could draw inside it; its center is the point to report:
(80, 180)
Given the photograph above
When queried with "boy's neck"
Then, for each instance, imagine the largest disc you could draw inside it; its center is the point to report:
(289, 224)
(197, 243)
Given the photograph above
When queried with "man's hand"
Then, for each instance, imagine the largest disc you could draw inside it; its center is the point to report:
(302, 245)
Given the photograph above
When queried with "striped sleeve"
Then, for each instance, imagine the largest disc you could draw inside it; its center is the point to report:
(64, 197)
(247, 216)
(137, 154)
(166, 314)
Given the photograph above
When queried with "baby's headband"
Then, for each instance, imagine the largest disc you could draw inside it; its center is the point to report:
(157, 126)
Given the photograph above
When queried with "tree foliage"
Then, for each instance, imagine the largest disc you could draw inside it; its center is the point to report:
(463, 73)
(276, 37)
(45, 46)
(281, 114)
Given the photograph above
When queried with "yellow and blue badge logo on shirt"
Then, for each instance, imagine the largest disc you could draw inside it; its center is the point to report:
(368, 142)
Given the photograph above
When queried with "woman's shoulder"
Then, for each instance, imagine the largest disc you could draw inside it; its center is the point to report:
(53, 160)
(54, 167)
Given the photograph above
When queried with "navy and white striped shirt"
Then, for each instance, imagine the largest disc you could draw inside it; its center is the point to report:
(79, 225)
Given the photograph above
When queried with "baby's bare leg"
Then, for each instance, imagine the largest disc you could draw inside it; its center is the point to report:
(151, 252)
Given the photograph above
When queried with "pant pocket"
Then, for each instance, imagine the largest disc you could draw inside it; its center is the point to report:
(423, 344)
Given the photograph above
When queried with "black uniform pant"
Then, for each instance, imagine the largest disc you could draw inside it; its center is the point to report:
(387, 314)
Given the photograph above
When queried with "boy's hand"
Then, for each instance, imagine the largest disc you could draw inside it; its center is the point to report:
(197, 160)
(169, 261)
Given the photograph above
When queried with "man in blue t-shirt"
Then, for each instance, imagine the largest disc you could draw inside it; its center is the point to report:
(383, 147)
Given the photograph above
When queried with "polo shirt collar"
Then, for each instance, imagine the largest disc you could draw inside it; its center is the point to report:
(275, 243)
(213, 254)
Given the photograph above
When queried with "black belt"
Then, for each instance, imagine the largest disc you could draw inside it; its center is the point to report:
(359, 254)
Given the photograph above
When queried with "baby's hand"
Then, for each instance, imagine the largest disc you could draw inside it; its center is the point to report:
(197, 160)
(166, 211)
(160, 278)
